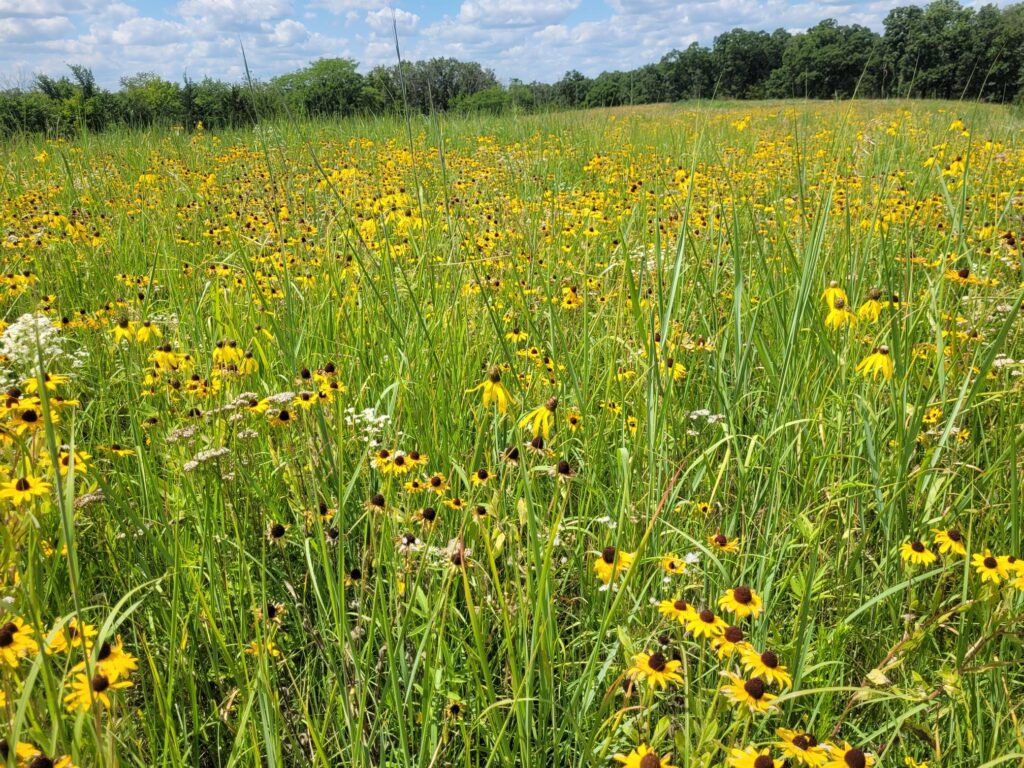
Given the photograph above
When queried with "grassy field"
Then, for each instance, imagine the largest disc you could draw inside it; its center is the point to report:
(662, 436)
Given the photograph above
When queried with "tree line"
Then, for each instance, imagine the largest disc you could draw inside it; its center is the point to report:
(943, 50)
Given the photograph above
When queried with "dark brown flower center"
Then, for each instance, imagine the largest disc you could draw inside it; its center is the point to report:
(991, 562)
(707, 616)
(481, 474)
(277, 530)
(429, 514)
(742, 595)
(650, 760)
(954, 535)
(100, 683)
(764, 761)
(917, 546)
(733, 634)
(657, 661)
(608, 555)
(22, 484)
(963, 273)
(855, 758)
(679, 605)
(377, 500)
(770, 659)
(754, 688)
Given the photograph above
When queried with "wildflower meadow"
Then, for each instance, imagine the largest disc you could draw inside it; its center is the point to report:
(649, 436)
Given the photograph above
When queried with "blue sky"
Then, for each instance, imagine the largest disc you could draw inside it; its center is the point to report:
(528, 39)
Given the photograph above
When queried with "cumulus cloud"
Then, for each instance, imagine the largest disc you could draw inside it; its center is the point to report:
(382, 21)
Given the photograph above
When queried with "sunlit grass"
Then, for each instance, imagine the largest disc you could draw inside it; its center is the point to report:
(248, 319)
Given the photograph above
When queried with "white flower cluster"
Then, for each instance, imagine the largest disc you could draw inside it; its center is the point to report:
(33, 335)
(204, 456)
(368, 422)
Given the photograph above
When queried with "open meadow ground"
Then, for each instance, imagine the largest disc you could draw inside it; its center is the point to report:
(661, 436)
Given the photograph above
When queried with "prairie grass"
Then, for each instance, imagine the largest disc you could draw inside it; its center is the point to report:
(655, 281)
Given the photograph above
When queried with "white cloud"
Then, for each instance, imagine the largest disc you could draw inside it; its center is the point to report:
(147, 31)
(514, 13)
(381, 21)
(28, 30)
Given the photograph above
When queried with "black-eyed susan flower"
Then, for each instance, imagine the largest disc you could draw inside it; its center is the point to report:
(74, 636)
(30, 756)
(917, 553)
(437, 483)
(644, 757)
(611, 563)
(752, 693)
(22, 490)
(731, 641)
(990, 567)
(16, 642)
(677, 609)
(950, 540)
(741, 601)
(673, 566)
(112, 660)
(494, 391)
(85, 690)
(846, 756)
(751, 757)
(539, 420)
(574, 420)
(705, 624)
(516, 335)
(800, 747)
(765, 665)
(655, 669)
(456, 503)
(481, 477)
(878, 363)
(723, 543)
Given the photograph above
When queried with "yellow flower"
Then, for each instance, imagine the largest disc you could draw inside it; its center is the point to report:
(540, 419)
(731, 641)
(839, 316)
(672, 565)
(84, 691)
(655, 669)
(644, 757)
(16, 642)
(917, 552)
(23, 489)
(705, 624)
(742, 601)
(494, 390)
(112, 660)
(723, 543)
(871, 309)
(612, 563)
(30, 756)
(765, 665)
(750, 757)
(833, 292)
(878, 362)
(480, 477)
(912, 763)
(75, 637)
(848, 757)
(677, 609)
(990, 567)
(950, 540)
(751, 693)
(801, 747)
